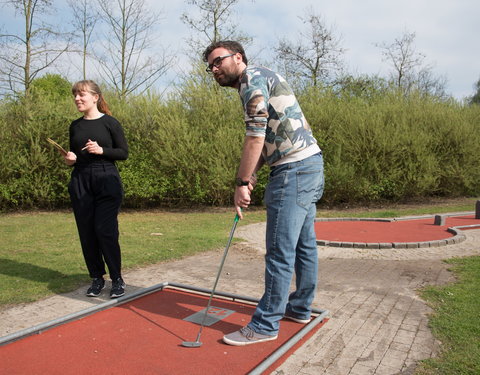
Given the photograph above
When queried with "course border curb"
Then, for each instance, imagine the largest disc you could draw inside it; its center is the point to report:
(458, 234)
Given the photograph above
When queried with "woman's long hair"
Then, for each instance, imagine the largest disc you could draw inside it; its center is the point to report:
(93, 88)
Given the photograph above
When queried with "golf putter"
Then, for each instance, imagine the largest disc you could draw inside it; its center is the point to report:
(197, 343)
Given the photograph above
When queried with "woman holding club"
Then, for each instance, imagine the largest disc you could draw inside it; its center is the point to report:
(97, 140)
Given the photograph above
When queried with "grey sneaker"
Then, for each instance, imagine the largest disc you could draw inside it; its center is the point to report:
(97, 286)
(246, 336)
(118, 288)
(297, 320)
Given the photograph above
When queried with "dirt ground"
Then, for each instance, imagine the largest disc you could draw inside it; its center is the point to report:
(377, 323)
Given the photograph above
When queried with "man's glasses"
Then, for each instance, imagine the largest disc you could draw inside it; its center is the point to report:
(217, 62)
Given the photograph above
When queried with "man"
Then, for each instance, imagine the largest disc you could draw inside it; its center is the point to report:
(278, 134)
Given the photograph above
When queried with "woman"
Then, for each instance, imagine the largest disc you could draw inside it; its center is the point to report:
(96, 192)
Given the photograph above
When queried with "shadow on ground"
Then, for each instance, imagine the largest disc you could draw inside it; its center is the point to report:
(57, 282)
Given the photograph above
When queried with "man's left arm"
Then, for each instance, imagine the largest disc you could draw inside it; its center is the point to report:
(249, 164)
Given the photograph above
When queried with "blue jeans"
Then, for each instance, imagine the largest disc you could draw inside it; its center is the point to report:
(290, 197)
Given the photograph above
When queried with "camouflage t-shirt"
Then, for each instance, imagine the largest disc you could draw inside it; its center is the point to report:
(272, 111)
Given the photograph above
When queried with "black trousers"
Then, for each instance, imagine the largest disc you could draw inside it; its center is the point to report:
(96, 193)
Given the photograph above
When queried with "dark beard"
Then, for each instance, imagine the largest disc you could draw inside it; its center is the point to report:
(229, 80)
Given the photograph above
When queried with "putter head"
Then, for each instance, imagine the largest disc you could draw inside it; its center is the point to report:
(191, 344)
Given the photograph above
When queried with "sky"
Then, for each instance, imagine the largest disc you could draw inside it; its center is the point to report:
(446, 32)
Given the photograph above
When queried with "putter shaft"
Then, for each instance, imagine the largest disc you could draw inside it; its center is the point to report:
(197, 343)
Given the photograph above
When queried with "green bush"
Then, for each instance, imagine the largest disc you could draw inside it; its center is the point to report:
(391, 147)
(52, 85)
(31, 171)
(184, 148)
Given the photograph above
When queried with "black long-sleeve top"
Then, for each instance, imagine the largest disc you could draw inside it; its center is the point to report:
(106, 131)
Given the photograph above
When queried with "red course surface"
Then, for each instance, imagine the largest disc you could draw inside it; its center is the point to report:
(144, 336)
(415, 230)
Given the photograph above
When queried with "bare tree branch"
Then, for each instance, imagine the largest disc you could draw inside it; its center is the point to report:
(316, 56)
(409, 71)
(85, 17)
(24, 56)
(127, 67)
(213, 23)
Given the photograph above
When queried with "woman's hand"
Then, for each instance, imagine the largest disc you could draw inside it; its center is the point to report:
(92, 147)
(70, 158)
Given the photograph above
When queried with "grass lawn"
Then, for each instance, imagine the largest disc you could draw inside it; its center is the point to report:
(40, 252)
(456, 321)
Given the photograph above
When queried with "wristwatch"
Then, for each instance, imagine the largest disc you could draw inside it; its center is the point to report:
(240, 182)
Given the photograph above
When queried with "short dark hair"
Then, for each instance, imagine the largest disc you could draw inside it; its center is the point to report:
(230, 45)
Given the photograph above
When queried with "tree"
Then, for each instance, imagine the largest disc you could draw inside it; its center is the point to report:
(428, 83)
(316, 55)
(409, 71)
(363, 86)
(84, 19)
(53, 85)
(213, 23)
(24, 56)
(401, 55)
(129, 31)
(475, 99)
